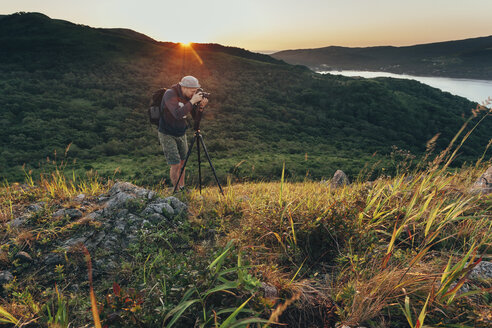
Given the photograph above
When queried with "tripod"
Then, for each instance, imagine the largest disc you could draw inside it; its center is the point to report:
(199, 140)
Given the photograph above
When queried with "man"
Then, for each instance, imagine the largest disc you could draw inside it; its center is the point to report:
(177, 102)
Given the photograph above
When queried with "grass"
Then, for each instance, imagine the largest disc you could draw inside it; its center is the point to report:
(378, 242)
(395, 251)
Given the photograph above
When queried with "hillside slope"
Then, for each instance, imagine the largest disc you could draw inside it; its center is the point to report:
(66, 84)
(470, 58)
(339, 256)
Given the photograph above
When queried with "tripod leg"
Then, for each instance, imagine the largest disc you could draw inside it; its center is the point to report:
(199, 164)
(184, 165)
(210, 162)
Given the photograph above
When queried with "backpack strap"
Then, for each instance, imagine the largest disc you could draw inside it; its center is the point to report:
(178, 93)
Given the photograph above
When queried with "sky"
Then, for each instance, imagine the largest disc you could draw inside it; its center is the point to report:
(264, 25)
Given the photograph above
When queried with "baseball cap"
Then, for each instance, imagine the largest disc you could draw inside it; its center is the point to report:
(189, 82)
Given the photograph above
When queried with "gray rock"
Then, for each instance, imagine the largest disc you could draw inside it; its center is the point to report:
(483, 184)
(73, 242)
(6, 277)
(109, 242)
(32, 208)
(156, 218)
(17, 222)
(339, 179)
(120, 224)
(128, 188)
(482, 271)
(269, 291)
(159, 206)
(121, 213)
(95, 240)
(79, 198)
(133, 219)
(102, 199)
(118, 200)
(105, 265)
(151, 195)
(94, 215)
(72, 213)
(53, 259)
(176, 204)
(23, 256)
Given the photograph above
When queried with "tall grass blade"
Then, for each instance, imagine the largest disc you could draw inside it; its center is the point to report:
(423, 312)
(6, 317)
(281, 186)
(95, 312)
(233, 315)
(217, 263)
(178, 311)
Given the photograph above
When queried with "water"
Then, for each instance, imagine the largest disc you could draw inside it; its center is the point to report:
(475, 90)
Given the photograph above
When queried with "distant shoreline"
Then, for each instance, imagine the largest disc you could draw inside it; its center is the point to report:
(473, 89)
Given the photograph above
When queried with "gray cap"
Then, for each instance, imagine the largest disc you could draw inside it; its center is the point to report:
(189, 82)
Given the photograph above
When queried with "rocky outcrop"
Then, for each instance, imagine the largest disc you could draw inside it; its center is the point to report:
(483, 184)
(117, 219)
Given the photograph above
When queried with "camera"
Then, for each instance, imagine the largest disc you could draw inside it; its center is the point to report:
(203, 93)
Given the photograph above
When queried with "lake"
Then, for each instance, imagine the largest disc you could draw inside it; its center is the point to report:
(475, 90)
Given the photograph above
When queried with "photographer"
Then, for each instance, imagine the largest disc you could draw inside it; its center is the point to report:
(178, 101)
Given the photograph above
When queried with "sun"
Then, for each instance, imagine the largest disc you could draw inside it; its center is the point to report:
(185, 44)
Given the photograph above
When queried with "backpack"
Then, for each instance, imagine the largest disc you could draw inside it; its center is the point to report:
(155, 106)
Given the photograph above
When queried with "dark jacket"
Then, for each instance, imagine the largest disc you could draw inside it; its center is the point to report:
(174, 108)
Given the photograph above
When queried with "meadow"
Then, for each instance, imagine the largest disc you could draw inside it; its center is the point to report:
(396, 251)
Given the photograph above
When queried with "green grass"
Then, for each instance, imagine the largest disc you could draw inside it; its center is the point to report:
(390, 250)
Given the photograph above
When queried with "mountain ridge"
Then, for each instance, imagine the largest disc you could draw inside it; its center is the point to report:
(468, 58)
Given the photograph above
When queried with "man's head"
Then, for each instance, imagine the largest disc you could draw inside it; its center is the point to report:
(189, 84)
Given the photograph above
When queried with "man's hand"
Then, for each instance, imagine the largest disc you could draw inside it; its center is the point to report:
(203, 103)
(197, 97)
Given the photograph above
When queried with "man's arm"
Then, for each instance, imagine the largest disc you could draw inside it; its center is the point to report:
(171, 101)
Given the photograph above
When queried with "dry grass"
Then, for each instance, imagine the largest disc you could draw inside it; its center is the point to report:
(383, 238)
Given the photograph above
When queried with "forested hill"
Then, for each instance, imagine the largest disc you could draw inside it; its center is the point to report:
(470, 58)
(66, 84)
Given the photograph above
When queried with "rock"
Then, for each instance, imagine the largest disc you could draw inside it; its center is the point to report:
(339, 179)
(128, 188)
(483, 270)
(120, 224)
(159, 206)
(483, 184)
(118, 200)
(32, 208)
(110, 242)
(73, 242)
(121, 213)
(269, 291)
(102, 199)
(53, 259)
(17, 222)
(94, 215)
(151, 195)
(155, 218)
(95, 240)
(72, 213)
(23, 256)
(79, 198)
(177, 205)
(5, 277)
(113, 227)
